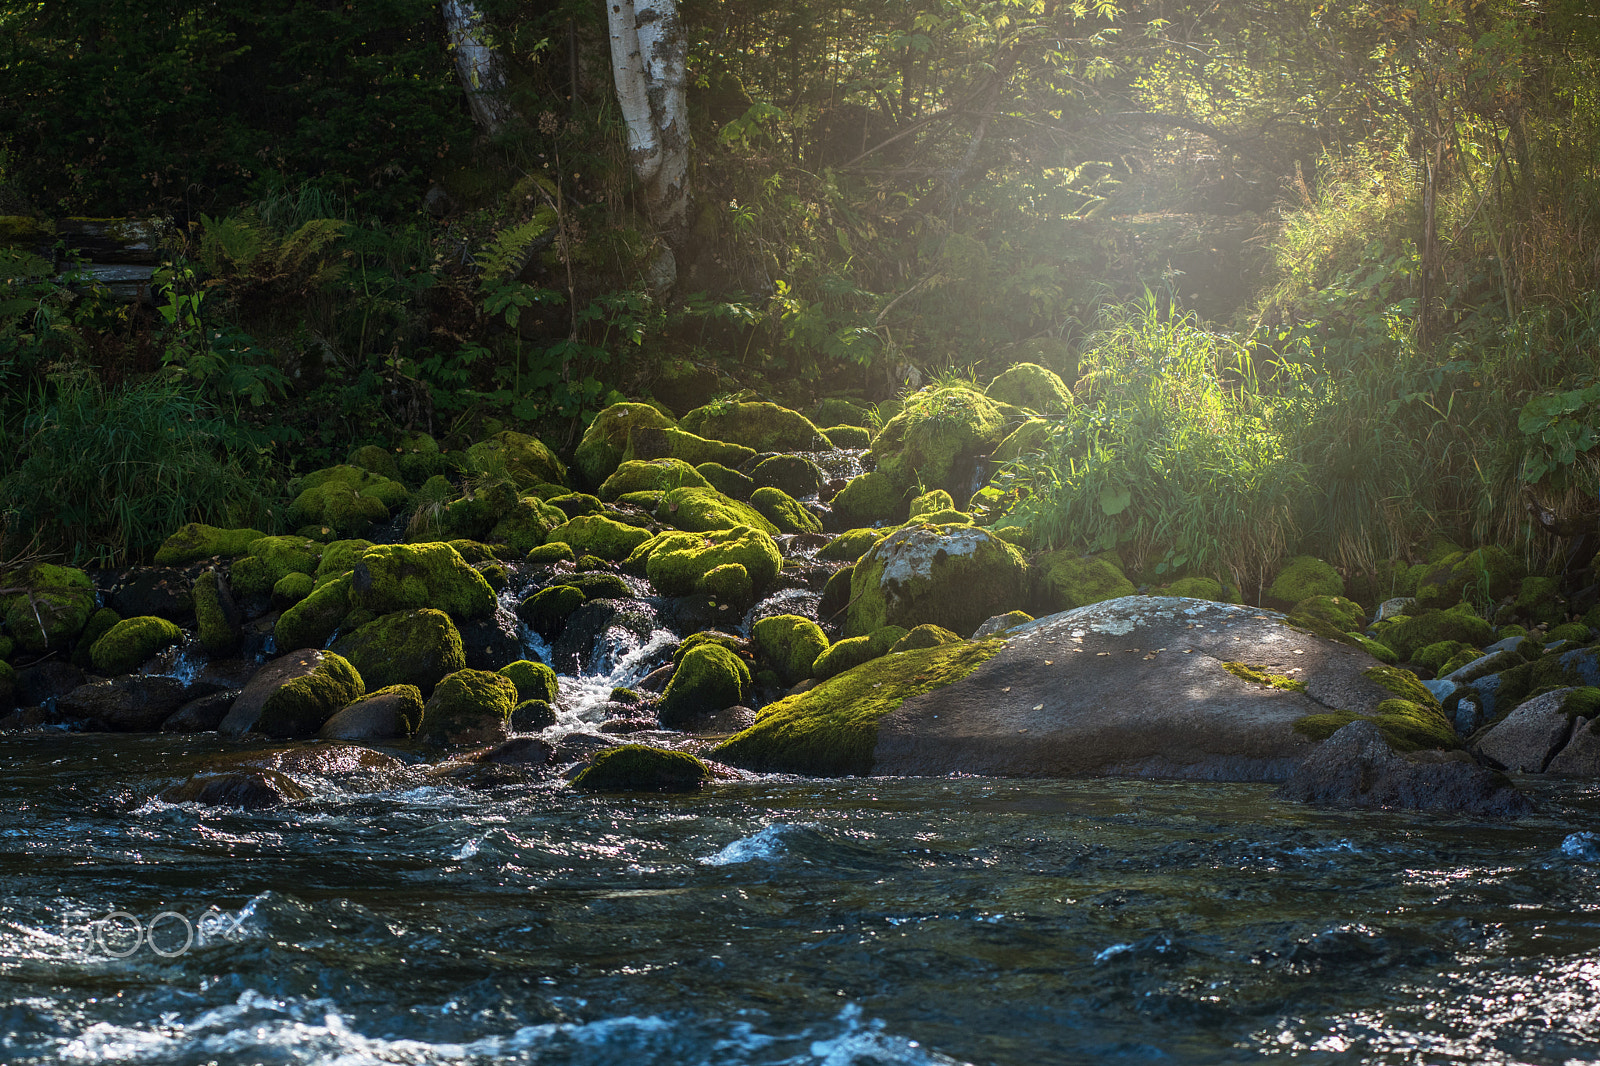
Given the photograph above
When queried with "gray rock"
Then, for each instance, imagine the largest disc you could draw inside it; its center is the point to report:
(381, 716)
(132, 703)
(1442, 689)
(1581, 756)
(200, 715)
(1468, 716)
(519, 751)
(1356, 767)
(246, 710)
(254, 790)
(1491, 662)
(1530, 736)
(47, 681)
(1132, 687)
(1511, 643)
(1392, 607)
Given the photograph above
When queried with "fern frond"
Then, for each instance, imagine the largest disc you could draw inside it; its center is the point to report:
(508, 253)
(309, 241)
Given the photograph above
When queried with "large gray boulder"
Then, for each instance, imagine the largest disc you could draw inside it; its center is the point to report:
(1530, 736)
(1136, 686)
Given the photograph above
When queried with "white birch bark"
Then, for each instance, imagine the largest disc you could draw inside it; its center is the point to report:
(649, 50)
(478, 65)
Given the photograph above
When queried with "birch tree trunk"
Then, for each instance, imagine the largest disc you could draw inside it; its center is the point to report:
(648, 53)
(482, 74)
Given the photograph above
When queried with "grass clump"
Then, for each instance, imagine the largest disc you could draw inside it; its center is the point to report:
(1257, 676)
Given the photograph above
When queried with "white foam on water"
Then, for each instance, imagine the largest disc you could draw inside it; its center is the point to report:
(1584, 846)
(762, 846)
(628, 660)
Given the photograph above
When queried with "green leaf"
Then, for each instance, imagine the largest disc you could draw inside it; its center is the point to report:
(1114, 499)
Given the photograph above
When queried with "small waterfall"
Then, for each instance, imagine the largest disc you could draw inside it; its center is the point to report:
(624, 661)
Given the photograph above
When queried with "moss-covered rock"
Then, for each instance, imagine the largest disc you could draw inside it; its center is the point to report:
(1031, 436)
(851, 545)
(853, 438)
(794, 475)
(271, 559)
(951, 576)
(196, 541)
(574, 504)
(639, 768)
(868, 499)
(1344, 615)
(534, 681)
(130, 642)
(216, 617)
(832, 728)
(930, 503)
(1432, 658)
(98, 625)
(468, 707)
(708, 678)
(1068, 580)
(402, 577)
(936, 430)
(925, 636)
(1031, 386)
(301, 706)
(598, 535)
(338, 558)
(851, 652)
(707, 510)
(524, 460)
(1381, 652)
(419, 458)
(345, 499)
(1001, 623)
(1483, 575)
(53, 608)
(1405, 634)
(375, 460)
(546, 611)
(606, 440)
(417, 647)
(729, 584)
(1303, 577)
(654, 475)
(1408, 725)
(790, 644)
(656, 442)
(550, 553)
(764, 427)
(678, 562)
(837, 410)
(1539, 601)
(1197, 588)
(530, 716)
(291, 589)
(785, 513)
(730, 483)
(526, 524)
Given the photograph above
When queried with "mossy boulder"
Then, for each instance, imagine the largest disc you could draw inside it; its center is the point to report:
(951, 576)
(639, 768)
(598, 535)
(1068, 580)
(546, 611)
(708, 678)
(385, 714)
(375, 460)
(931, 636)
(606, 440)
(1483, 575)
(1196, 588)
(707, 510)
(795, 475)
(930, 503)
(52, 609)
(764, 427)
(300, 707)
(837, 410)
(271, 559)
(419, 458)
(1406, 634)
(934, 433)
(573, 504)
(98, 625)
(790, 644)
(657, 442)
(1431, 659)
(130, 642)
(468, 707)
(728, 482)
(599, 585)
(526, 524)
(550, 553)
(679, 562)
(868, 499)
(402, 577)
(652, 475)
(786, 513)
(196, 541)
(1031, 386)
(345, 499)
(522, 459)
(291, 589)
(534, 681)
(216, 616)
(729, 584)
(309, 623)
(852, 438)
(1303, 577)
(415, 647)
(1031, 436)
(1344, 615)
(338, 558)
(851, 545)
(1539, 601)
(832, 728)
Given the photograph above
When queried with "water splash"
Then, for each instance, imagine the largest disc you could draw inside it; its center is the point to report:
(623, 662)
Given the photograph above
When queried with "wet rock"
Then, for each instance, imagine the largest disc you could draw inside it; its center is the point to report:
(468, 707)
(1356, 767)
(1581, 755)
(200, 715)
(579, 746)
(161, 591)
(26, 719)
(416, 648)
(582, 643)
(488, 644)
(793, 475)
(657, 679)
(46, 681)
(639, 768)
(252, 790)
(624, 726)
(132, 703)
(520, 751)
(531, 716)
(387, 714)
(291, 691)
(1490, 663)
(1531, 735)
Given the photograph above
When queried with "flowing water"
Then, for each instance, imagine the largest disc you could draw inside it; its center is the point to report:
(403, 918)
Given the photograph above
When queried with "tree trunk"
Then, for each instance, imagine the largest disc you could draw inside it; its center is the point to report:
(482, 75)
(648, 53)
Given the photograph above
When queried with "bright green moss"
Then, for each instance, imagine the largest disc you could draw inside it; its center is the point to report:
(1337, 611)
(706, 510)
(99, 625)
(130, 642)
(730, 584)
(1198, 588)
(400, 577)
(932, 503)
(853, 438)
(546, 611)
(1303, 577)
(851, 545)
(1483, 575)
(550, 553)
(928, 636)
(935, 429)
(1406, 634)
(345, 499)
(655, 475)
(763, 427)
(271, 559)
(218, 633)
(790, 644)
(655, 442)
(1071, 580)
(196, 541)
(1033, 387)
(1582, 702)
(534, 681)
(339, 558)
(291, 589)
(606, 439)
(1433, 657)
(708, 678)
(730, 483)
(868, 498)
(300, 707)
(786, 514)
(1381, 652)
(951, 576)
(832, 729)
(1405, 724)
(526, 524)
(1030, 436)
(52, 611)
(678, 562)
(522, 459)
(638, 768)
(599, 535)
(1257, 676)
(309, 623)
(416, 647)
(467, 707)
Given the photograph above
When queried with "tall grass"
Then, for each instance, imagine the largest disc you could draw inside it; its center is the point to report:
(103, 476)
